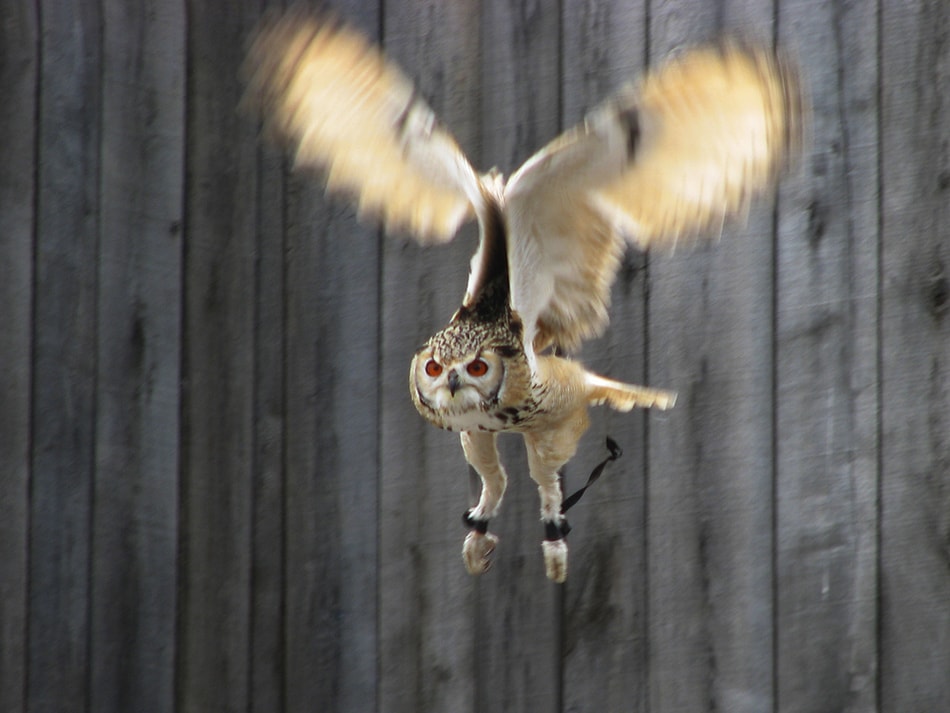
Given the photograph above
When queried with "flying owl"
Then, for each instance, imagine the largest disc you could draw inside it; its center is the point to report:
(662, 162)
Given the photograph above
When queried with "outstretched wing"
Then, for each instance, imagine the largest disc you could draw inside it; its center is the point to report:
(659, 164)
(332, 96)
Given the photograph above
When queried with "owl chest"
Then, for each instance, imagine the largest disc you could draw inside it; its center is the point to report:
(493, 417)
(522, 411)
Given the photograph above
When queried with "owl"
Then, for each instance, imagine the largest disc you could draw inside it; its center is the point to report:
(661, 163)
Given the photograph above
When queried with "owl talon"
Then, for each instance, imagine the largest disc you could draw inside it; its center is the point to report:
(476, 551)
(555, 559)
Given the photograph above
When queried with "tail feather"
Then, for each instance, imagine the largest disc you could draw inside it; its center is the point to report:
(623, 397)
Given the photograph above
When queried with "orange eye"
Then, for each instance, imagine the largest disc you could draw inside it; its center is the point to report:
(433, 368)
(477, 368)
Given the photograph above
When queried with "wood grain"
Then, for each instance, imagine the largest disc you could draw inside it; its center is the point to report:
(62, 437)
(915, 354)
(710, 473)
(135, 498)
(214, 668)
(19, 66)
(826, 373)
(268, 630)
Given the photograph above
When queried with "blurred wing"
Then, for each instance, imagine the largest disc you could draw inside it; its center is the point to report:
(324, 89)
(657, 164)
(715, 127)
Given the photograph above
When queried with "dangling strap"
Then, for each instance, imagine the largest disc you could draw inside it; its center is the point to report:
(615, 453)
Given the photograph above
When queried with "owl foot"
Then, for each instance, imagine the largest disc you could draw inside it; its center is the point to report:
(476, 551)
(555, 559)
(478, 545)
(555, 549)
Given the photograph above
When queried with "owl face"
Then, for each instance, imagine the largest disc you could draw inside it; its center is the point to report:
(457, 392)
(466, 375)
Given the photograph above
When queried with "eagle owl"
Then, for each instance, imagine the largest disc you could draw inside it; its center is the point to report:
(663, 161)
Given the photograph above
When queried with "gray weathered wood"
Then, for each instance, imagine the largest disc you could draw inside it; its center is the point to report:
(64, 358)
(826, 373)
(604, 636)
(268, 556)
(915, 352)
(135, 523)
(218, 367)
(332, 462)
(19, 63)
(427, 648)
(710, 473)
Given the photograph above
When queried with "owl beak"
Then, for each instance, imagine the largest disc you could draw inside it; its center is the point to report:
(454, 383)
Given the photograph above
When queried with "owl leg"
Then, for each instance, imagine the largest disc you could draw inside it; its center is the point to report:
(547, 452)
(481, 452)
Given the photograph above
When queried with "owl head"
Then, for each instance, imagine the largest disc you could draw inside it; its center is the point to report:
(466, 375)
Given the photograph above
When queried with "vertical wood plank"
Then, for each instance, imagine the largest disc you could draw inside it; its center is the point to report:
(427, 650)
(710, 470)
(19, 62)
(137, 408)
(219, 367)
(269, 495)
(604, 639)
(520, 611)
(915, 352)
(332, 444)
(331, 472)
(826, 371)
(64, 375)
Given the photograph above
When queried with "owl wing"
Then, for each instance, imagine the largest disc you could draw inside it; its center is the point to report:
(325, 90)
(659, 164)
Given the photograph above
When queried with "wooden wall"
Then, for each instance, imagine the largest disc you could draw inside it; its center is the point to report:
(215, 494)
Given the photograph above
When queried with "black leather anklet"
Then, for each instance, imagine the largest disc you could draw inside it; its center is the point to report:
(554, 531)
(480, 526)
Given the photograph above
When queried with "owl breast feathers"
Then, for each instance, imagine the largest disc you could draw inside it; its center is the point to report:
(661, 163)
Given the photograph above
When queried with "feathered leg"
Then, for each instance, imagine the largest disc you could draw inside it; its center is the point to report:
(481, 452)
(548, 450)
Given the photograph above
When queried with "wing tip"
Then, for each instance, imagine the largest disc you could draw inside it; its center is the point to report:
(785, 86)
(759, 72)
